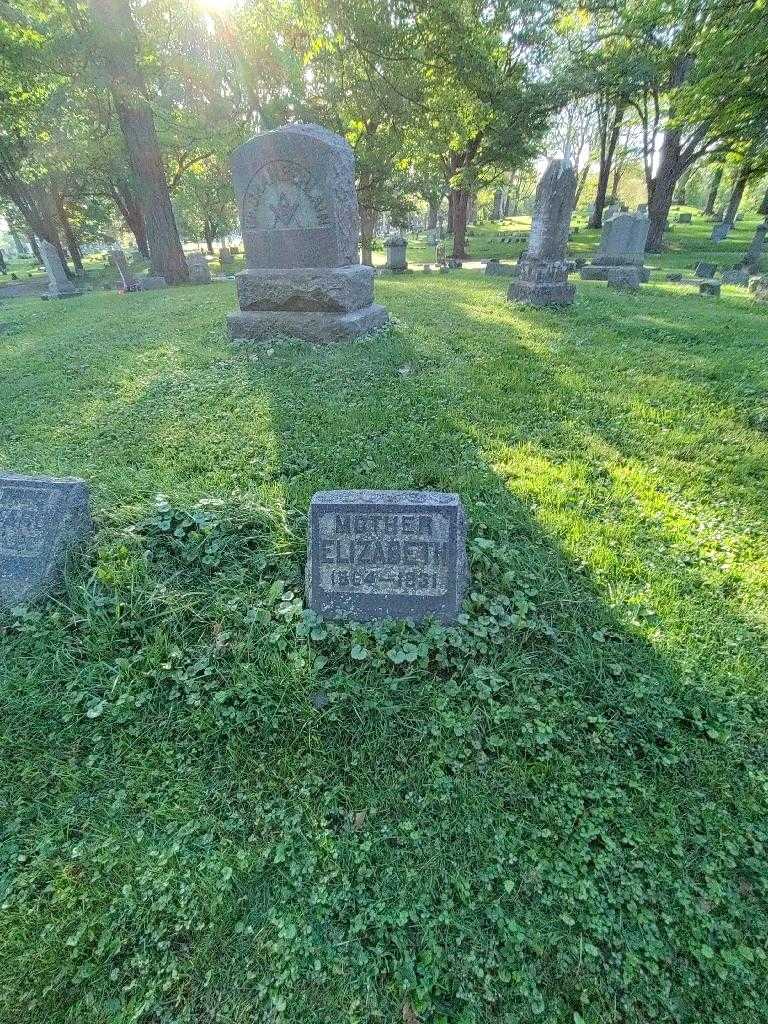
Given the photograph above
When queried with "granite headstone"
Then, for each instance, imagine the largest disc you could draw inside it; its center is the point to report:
(295, 190)
(59, 285)
(199, 271)
(41, 520)
(396, 246)
(386, 555)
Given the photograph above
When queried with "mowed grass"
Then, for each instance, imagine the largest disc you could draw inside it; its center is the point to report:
(216, 808)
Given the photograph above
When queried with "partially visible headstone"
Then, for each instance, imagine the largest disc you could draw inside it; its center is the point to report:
(735, 276)
(709, 288)
(543, 272)
(59, 285)
(707, 270)
(128, 278)
(386, 555)
(295, 189)
(495, 268)
(757, 245)
(623, 278)
(720, 232)
(684, 218)
(225, 256)
(199, 271)
(427, 268)
(758, 287)
(396, 245)
(42, 519)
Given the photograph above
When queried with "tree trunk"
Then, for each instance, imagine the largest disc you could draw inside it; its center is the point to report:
(3, 268)
(451, 203)
(123, 197)
(472, 209)
(367, 229)
(460, 207)
(498, 198)
(434, 209)
(608, 143)
(35, 249)
(69, 236)
(118, 44)
(581, 182)
(714, 188)
(763, 208)
(21, 248)
(737, 194)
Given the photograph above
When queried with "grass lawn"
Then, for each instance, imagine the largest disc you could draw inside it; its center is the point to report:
(215, 808)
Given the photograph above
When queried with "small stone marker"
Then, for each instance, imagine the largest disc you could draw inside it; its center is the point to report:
(199, 272)
(736, 276)
(543, 271)
(707, 270)
(396, 246)
(59, 285)
(684, 218)
(758, 287)
(41, 520)
(709, 288)
(295, 189)
(225, 256)
(386, 555)
(128, 278)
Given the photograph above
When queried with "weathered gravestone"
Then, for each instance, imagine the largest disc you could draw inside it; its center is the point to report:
(199, 272)
(41, 520)
(59, 285)
(735, 276)
(758, 287)
(495, 268)
(543, 271)
(396, 245)
(622, 244)
(757, 246)
(386, 555)
(295, 190)
(707, 270)
(129, 280)
(709, 288)
(225, 256)
(684, 218)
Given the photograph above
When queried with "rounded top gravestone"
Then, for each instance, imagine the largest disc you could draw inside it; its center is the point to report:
(295, 189)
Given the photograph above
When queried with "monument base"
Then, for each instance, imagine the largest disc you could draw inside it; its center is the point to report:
(536, 293)
(318, 327)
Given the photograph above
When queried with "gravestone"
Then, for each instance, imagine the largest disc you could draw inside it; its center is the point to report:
(199, 271)
(542, 272)
(386, 555)
(128, 278)
(495, 268)
(625, 279)
(59, 285)
(622, 244)
(42, 519)
(707, 270)
(295, 190)
(735, 276)
(684, 218)
(758, 287)
(709, 288)
(757, 245)
(720, 232)
(396, 246)
(225, 256)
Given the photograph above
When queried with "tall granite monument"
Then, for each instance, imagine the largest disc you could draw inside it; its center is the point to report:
(41, 520)
(295, 189)
(59, 285)
(543, 270)
(386, 555)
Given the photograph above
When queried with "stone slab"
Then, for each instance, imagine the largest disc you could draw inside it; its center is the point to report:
(537, 293)
(709, 288)
(591, 273)
(42, 519)
(317, 327)
(307, 289)
(624, 278)
(386, 555)
(737, 277)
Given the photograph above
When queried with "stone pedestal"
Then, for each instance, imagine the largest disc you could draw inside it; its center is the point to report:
(542, 283)
(295, 189)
